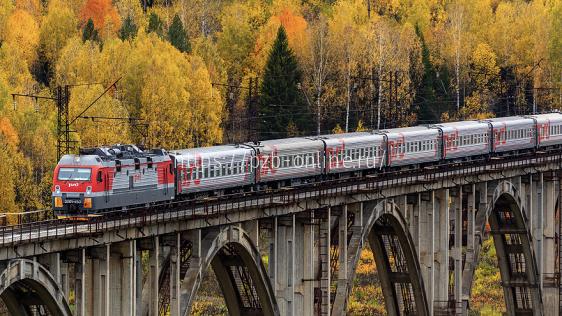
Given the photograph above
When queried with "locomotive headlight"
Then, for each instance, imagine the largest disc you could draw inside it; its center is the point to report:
(88, 190)
(57, 188)
(58, 201)
(88, 203)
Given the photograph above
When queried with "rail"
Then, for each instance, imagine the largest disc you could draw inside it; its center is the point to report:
(226, 205)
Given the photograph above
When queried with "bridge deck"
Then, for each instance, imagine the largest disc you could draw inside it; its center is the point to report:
(234, 208)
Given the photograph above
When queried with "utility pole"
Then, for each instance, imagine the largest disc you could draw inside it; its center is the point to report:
(62, 99)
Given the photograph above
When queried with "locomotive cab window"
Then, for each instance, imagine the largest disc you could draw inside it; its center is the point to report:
(75, 174)
(99, 178)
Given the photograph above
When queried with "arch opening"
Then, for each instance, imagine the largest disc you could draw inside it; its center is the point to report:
(239, 272)
(397, 272)
(397, 266)
(505, 221)
(29, 289)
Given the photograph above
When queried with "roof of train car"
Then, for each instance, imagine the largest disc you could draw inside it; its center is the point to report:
(342, 135)
(290, 143)
(221, 149)
(350, 138)
(547, 116)
(506, 119)
(462, 125)
(420, 129)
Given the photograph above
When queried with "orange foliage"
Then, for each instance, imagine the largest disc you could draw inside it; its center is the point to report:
(103, 13)
(8, 132)
(295, 26)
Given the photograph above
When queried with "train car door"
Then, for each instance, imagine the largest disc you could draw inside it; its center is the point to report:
(106, 186)
(166, 179)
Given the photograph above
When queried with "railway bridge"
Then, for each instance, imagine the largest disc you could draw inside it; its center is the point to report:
(295, 251)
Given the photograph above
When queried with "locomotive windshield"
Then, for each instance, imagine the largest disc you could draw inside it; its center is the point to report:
(75, 174)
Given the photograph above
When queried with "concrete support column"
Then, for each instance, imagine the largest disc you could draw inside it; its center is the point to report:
(308, 259)
(342, 272)
(300, 262)
(196, 239)
(273, 256)
(470, 261)
(252, 228)
(415, 225)
(285, 264)
(325, 273)
(457, 249)
(426, 246)
(80, 284)
(441, 257)
(123, 279)
(175, 278)
(137, 271)
(550, 291)
(153, 274)
(65, 279)
(53, 262)
(100, 279)
(539, 225)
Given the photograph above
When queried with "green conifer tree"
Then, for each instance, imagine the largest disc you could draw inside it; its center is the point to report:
(178, 36)
(128, 29)
(155, 24)
(90, 33)
(282, 110)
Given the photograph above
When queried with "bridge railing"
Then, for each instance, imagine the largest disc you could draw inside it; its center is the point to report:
(226, 206)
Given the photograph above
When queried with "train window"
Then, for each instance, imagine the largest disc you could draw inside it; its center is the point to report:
(211, 171)
(118, 165)
(206, 172)
(99, 178)
(137, 163)
(149, 162)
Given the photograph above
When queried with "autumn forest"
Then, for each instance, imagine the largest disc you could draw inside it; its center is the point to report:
(187, 73)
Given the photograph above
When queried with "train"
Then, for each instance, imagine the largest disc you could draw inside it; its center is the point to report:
(123, 177)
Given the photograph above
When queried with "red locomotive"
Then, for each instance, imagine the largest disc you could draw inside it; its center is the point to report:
(109, 178)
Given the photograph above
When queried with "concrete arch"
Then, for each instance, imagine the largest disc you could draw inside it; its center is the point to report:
(514, 249)
(397, 263)
(239, 269)
(25, 283)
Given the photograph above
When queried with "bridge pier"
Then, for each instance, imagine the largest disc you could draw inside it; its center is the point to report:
(427, 245)
(549, 283)
(441, 260)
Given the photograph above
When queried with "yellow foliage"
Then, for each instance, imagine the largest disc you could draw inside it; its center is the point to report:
(98, 132)
(484, 64)
(337, 129)
(6, 9)
(58, 26)
(22, 33)
(360, 127)
(32, 6)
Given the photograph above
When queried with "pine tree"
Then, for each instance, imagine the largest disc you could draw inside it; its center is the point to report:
(155, 24)
(425, 96)
(178, 36)
(90, 33)
(128, 29)
(282, 109)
